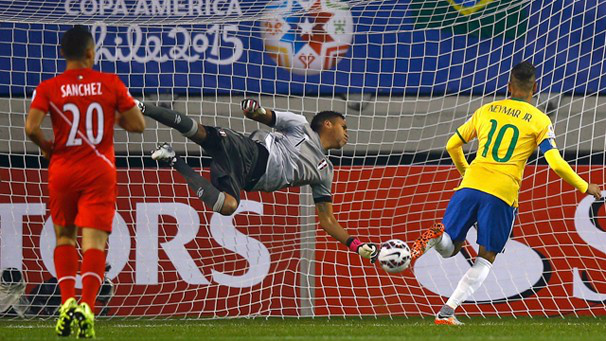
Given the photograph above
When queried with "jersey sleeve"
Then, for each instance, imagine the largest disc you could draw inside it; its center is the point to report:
(467, 131)
(124, 100)
(546, 135)
(322, 192)
(40, 99)
(286, 121)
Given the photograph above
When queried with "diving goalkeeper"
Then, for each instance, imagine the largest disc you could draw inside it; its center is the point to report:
(265, 161)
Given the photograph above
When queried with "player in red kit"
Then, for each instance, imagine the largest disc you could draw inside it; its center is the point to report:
(82, 104)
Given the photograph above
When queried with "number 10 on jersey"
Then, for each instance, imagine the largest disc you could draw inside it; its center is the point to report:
(499, 139)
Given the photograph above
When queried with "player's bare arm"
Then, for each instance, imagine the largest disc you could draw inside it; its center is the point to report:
(132, 120)
(330, 224)
(33, 131)
(254, 111)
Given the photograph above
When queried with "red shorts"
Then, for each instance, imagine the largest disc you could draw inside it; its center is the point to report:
(84, 198)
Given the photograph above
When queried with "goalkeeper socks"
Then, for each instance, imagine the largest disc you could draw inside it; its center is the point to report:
(470, 282)
(66, 266)
(185, 125)
(445, 246)
(93, 271)
(204, 190)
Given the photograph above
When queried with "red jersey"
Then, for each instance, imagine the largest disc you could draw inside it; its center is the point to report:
(82, 104)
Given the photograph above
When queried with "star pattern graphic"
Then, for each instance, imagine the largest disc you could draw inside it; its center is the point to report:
(307, 29)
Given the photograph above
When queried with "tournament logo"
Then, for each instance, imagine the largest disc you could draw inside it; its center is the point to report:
(307, 37)
(467, 7)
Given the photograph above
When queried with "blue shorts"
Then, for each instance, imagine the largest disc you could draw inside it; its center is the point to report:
(494, 217)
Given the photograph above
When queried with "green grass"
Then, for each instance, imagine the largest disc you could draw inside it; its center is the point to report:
(478, 328)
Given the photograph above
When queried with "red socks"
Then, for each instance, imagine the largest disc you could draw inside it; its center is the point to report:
(66, 266)
(93, 270)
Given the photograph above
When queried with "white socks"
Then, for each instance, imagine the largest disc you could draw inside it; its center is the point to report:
(445, 246)
(470, 282)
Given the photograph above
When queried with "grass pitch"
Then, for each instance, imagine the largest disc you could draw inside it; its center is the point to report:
(383, 329)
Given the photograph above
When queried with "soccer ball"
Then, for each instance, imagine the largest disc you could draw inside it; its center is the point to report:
(394, 256)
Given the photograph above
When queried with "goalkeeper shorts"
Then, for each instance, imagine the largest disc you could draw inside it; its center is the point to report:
(238, 162)
(494, 217)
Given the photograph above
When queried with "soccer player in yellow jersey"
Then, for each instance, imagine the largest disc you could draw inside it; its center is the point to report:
(508, 131)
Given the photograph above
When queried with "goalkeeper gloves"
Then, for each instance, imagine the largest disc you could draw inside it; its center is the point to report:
(251, 107)
(366, 250)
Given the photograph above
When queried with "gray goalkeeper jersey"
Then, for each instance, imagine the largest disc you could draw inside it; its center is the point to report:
(296, 157)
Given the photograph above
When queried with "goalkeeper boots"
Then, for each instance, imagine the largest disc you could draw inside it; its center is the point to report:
(427, 240)
(85, 318)
(165, 153)
(66, 323)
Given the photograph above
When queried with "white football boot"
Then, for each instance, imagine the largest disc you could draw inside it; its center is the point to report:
(450, 320)
(165, 153)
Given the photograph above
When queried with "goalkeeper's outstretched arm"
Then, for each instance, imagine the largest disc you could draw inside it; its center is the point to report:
(330, 224)
(564, 171)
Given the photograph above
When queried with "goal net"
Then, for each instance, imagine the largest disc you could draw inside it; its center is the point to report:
(406, 73)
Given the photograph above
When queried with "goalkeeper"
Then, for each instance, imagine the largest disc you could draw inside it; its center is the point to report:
(508, 131)
(295, 155)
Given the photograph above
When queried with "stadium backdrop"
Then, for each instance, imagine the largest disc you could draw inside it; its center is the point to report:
(377, 60)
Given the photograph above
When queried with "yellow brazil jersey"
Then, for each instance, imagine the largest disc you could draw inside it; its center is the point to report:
(508, 131)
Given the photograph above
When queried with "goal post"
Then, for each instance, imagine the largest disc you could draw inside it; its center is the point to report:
(406, 74)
